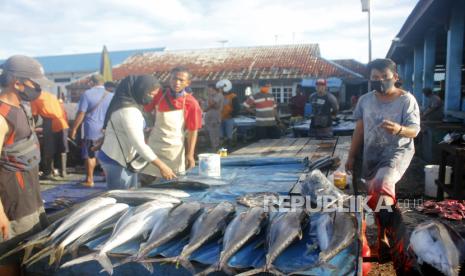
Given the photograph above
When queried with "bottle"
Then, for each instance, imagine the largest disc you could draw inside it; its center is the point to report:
(340, 179)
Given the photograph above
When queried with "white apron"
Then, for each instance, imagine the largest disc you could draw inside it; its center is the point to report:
(167, 140)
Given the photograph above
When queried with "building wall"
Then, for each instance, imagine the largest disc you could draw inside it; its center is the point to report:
(63, 79)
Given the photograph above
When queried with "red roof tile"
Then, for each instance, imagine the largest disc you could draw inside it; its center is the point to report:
(243, 63)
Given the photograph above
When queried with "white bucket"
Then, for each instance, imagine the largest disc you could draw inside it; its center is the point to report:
(210, 164)
(431, 175)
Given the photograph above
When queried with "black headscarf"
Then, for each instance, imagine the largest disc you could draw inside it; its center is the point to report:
(132, 91)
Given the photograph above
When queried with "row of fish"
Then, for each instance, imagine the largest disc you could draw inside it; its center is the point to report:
(160, 220)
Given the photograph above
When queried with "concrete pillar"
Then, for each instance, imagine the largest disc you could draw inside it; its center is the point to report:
(429, 60)
(454, 57)
(418, 72)
(408, 73)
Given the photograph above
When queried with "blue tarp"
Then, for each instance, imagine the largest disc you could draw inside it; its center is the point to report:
(241, 175)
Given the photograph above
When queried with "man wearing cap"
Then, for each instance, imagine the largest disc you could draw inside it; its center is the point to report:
(21, 207)
(92, 108)
(265, 113)
(324, 106)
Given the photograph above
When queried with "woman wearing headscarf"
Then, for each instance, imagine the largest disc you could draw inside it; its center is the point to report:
(124, 132)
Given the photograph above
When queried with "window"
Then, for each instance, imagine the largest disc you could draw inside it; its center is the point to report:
(287, 94)
(276, 91)
(282, 94)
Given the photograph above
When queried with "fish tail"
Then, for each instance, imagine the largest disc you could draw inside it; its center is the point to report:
(275, 271)
(28, 246)
(186, 264)
(80, 260)
(39, 255)
(105, 262)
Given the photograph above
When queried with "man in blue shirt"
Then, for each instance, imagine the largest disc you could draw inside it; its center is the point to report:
(92, 108)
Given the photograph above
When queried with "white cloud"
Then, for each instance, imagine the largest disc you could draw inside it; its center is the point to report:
(52, 27)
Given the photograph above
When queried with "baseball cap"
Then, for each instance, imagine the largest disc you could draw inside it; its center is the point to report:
(320, 82)
(26, 67)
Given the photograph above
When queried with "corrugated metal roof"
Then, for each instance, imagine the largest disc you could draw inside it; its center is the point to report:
(353, 65)
(244, 63)
(88, 62)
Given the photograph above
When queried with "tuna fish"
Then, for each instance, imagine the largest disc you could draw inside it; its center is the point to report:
(171, 192)
(283, 230)
(335, 232)
(99, 217)
(38, 238)
(131, 225)
(343, 233)
(210, 224)
(258, 199)
(54, 231)
(137, 197)
(438, 245)
(175, 223)
(241, 230)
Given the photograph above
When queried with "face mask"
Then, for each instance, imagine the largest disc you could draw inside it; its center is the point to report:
(29, 94)
(147, 99)
(382, 86)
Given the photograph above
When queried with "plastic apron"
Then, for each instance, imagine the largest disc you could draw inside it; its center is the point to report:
(167, 140)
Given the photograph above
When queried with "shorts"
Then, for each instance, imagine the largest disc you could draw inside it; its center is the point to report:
(20, 229)
(382, 184)
(86, 148)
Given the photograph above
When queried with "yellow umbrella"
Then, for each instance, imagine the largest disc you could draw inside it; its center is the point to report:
(105, 65)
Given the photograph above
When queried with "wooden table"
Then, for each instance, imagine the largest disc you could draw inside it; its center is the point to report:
(298, 147)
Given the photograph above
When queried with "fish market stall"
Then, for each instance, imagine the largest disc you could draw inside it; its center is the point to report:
(343, 125)
(207, 224)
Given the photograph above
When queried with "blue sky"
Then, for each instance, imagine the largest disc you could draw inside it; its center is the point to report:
(53, 27)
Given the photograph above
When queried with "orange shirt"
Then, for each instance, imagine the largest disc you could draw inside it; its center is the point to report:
(227, 106)
(48, 106)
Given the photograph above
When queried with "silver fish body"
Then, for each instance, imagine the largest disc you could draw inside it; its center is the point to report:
(132, 224)
(239, 231)
(438, 245)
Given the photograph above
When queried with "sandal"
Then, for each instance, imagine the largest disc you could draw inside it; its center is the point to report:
(87, 184)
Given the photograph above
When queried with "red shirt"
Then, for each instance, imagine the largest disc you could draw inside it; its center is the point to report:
(192, 111)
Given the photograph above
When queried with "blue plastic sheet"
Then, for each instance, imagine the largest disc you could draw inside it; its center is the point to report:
(242, 175)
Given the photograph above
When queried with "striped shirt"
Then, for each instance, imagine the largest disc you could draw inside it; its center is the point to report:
(265, 108)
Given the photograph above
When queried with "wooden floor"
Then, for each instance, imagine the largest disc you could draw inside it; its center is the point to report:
(298, 147)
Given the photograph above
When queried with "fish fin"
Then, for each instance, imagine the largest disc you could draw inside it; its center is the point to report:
(186, 264)
(125, 261)
(252, 272)
(105, 262)
(27, 253)
(57, 256)
(148, 266)
(83, 259)
(39, 255)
